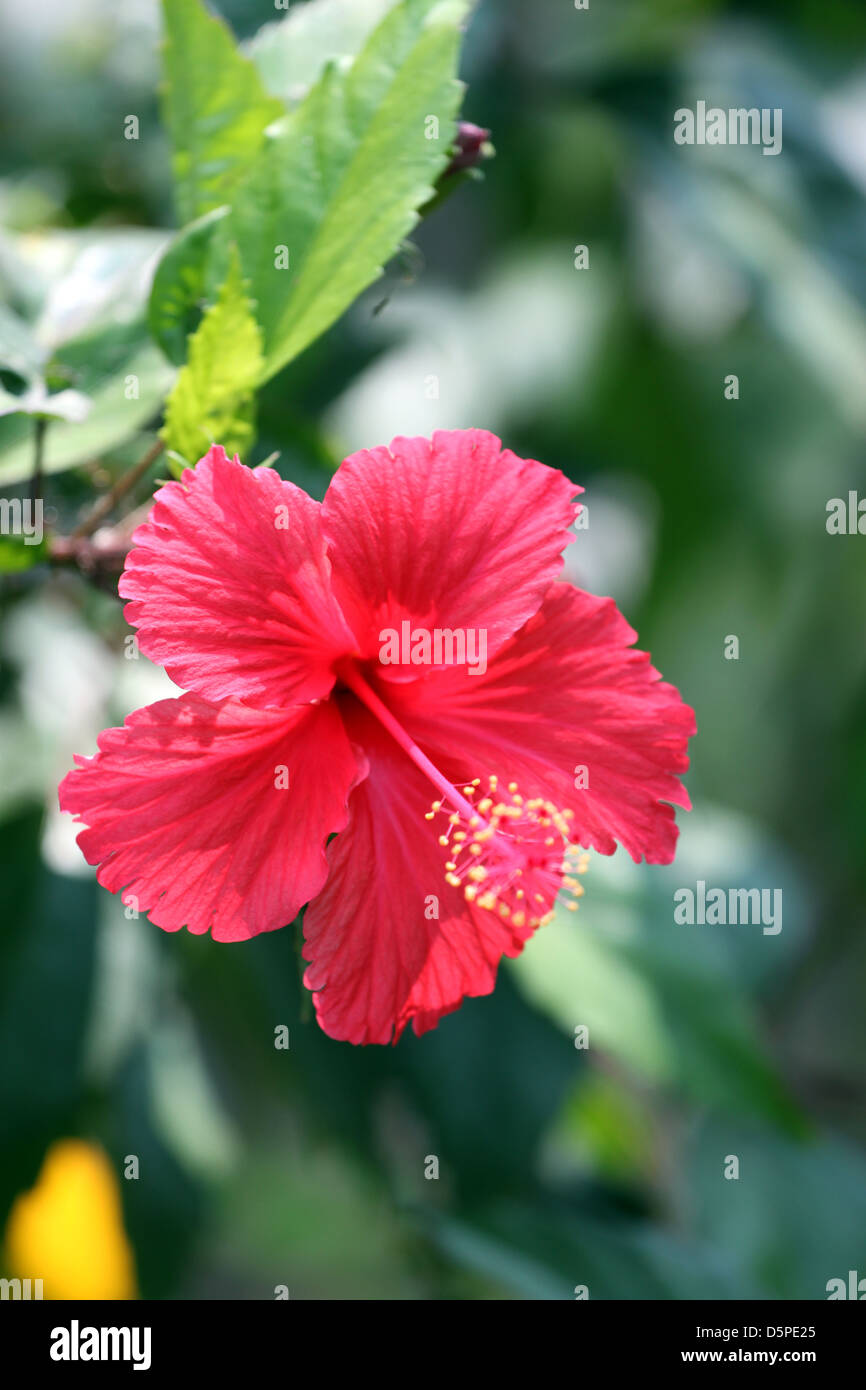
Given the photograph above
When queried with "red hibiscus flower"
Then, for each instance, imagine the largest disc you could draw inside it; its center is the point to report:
(395, 668)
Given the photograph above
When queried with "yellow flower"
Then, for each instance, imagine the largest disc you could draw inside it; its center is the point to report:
(68, 1229)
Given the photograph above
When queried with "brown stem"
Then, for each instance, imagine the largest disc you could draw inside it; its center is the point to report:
(40, 425)
(102, 555)
(124, 484)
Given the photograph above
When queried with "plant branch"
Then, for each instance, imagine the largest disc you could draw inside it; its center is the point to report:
(40, 425)
(100, 557)
(109, 501)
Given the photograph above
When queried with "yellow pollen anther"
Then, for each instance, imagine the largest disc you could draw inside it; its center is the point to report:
(510, 854)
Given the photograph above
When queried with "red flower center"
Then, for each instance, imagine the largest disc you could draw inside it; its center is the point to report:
(509, 854)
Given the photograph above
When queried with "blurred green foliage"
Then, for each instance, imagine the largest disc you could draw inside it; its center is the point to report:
(558, 1166)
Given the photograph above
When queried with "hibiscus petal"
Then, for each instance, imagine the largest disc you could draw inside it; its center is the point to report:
(567, 693)
(387, 939)
(229, 586)
(187, 811)
(456, 532)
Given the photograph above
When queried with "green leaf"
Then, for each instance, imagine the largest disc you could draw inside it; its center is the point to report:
(340, 184)
(672, 1002)
(47, 955)
(291, 52)
(213, 397)
(61, 405)
(16, 555)
(163, 1215)
(545, 1248)
(466, 1087)
(89, 279)
(126, 379)
(670, 1020)
(89, 343)
(335, 188)
(215, 107)
(795, 1214)
(20, 353)
(187, 280)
